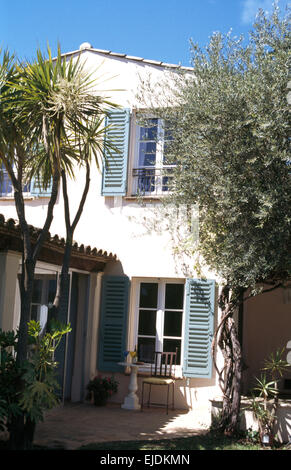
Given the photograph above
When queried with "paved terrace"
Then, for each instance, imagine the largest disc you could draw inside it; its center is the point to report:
(73, 425)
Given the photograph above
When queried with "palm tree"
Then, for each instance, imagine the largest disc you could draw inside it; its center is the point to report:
(43, 102)
(44, 107)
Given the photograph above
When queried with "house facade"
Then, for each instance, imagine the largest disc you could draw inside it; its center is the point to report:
(135, 290)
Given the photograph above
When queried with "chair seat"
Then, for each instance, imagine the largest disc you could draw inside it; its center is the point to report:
(158, 381)
(161, 374)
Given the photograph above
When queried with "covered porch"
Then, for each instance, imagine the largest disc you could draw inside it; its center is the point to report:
(77, 352)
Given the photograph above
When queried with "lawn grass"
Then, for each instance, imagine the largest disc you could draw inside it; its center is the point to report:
(207, 441)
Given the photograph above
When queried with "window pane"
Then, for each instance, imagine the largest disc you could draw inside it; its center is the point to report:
(173, 324)
(146, 349)
(5, 183)
(52, 290)
(26, 188)
(147, 154)
(146, 180)
(148, 294)
(168, 133)
(147, 322)
(37, 288)
(165, 183)
(34, 313)
(169, 158)
(174, 296)
(149, 133)
(170, 345)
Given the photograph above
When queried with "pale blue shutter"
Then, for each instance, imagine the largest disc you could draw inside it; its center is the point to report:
(199, 325)
(114, 181)
(113, 322)
(37, 190)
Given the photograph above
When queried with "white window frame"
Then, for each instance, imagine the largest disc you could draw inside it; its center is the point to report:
(4, 174)
(159, 165)
(133, 331)
(10, 195)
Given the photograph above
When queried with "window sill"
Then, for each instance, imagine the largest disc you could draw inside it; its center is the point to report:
(26, 198)
(11, 198)
(148, 198)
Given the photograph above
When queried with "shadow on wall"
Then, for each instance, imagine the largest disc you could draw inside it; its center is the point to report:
(266, 329)
(187, 397)
(114, 268)
(180, 225)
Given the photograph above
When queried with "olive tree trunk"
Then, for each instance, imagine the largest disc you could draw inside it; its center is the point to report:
(230, 377)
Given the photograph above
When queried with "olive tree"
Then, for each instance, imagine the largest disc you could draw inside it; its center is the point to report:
(230, 126)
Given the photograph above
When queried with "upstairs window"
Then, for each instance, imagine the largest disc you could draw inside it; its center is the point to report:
(30, 189)
(137, 165)
(151, 172)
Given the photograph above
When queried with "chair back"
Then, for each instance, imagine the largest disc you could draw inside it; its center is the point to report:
(164, 364)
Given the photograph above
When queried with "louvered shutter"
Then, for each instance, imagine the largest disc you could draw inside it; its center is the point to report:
(199, 318)
(113, 327)
(114, 181)
(37, 190)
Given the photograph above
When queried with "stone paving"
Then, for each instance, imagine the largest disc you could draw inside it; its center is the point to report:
(73, 425)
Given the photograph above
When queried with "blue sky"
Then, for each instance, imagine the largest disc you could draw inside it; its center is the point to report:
(153, 29)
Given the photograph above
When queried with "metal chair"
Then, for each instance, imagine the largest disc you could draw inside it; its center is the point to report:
(162, 373)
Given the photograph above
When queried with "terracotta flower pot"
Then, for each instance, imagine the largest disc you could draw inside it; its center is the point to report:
(100, 398)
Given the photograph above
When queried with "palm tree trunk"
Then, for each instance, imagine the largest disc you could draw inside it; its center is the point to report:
(26, 290)
(29, 258)
(60, 304)
(27, 274)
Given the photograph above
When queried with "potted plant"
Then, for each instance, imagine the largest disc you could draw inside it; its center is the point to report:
(269, 391)
(265, 412)
(101, 388)
(29, 389)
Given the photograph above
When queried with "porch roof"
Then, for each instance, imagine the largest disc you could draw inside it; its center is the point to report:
(83, 257)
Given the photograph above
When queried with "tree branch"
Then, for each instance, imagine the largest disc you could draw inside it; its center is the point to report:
(280, 284)
(84, 196)
(43, 234)
(66, 202)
